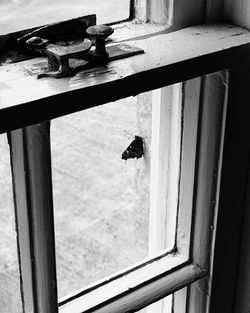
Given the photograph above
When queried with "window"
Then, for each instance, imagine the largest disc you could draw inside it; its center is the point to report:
(23, 14)
(101, 201)
(201, 186)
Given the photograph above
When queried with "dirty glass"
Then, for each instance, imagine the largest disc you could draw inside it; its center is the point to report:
(10, 296)
(22, 14)
(101, 193)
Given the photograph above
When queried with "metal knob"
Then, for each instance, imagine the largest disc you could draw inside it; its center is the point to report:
(100, 33)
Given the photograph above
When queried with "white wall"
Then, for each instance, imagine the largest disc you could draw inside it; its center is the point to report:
(238, 12)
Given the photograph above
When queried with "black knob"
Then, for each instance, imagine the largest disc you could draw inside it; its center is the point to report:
(100, 33)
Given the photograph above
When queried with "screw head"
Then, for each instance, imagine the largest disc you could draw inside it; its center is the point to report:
(37, 41)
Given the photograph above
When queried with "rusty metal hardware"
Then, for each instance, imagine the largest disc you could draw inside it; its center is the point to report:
(13, 47)
(58, 58)
(68, 59)
(134, 150)
(37, 45)
(60, 31)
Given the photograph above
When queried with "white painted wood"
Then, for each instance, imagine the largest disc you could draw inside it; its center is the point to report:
(165, 61)
(31, 172)
(165, 159)
(166, 146)
(164, 189)
(198, 301)
(180, 299)
(126, 280)
(237, 12)
(133, 298)
(213, 101)
(22, 219)
(178, 14)
(190, 115)
(183, 15)
(165, 165)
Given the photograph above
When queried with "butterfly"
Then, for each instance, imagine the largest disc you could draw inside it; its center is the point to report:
(134, 150)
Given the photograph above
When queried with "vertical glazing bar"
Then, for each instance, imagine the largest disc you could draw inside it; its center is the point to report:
(32, 184)
(165, 164)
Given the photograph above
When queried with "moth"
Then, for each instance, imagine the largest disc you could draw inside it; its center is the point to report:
(134, 150)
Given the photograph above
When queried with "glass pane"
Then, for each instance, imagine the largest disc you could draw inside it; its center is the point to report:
(101, 200)
(10, 297)
(22, 14)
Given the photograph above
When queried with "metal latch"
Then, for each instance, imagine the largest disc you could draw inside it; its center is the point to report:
(67, 60)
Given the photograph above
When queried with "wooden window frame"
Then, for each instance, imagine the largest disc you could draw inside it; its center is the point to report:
(189, 263)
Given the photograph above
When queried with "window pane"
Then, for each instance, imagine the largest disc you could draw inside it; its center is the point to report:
(10, 298)
(22, 14)
(101, 201)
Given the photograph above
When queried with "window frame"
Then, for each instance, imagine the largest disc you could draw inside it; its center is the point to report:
(190, 291)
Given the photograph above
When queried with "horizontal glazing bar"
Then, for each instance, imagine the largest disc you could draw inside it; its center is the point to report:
(132, 298)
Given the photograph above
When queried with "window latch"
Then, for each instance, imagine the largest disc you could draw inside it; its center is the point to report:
(67, 59)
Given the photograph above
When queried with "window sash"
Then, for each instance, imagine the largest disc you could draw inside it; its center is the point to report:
(211, 48)
(154, 278)
(213, 116)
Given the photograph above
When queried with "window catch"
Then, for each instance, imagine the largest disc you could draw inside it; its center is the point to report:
(67, 59)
